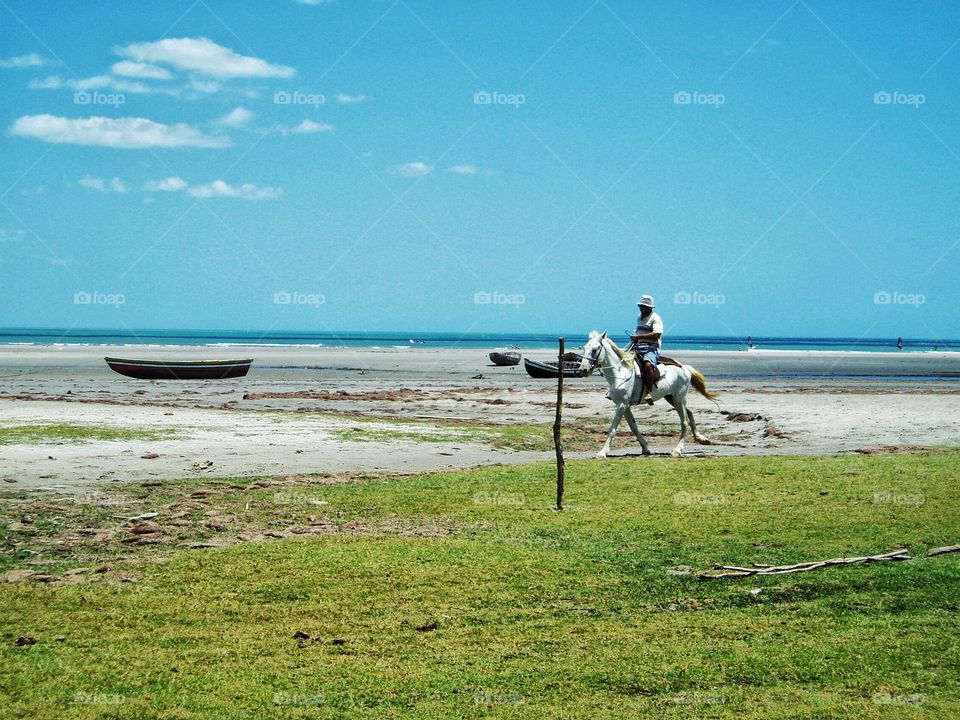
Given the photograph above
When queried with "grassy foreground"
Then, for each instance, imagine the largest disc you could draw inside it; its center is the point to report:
(464, 595)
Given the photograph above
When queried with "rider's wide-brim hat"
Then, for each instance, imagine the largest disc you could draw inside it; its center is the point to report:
(645, 300)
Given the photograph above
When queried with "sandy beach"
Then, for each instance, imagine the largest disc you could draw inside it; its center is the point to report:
(337, 410)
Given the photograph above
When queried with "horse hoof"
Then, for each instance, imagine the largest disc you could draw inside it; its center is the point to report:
(646, 452)
(601, 455)
(677, 453)
(704, 441)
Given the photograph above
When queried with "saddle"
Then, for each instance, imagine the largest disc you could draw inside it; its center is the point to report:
(663, 361)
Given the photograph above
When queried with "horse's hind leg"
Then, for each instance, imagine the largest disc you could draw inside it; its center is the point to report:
(617, 415)
(681, 409)
(636, 431)
(702, 439)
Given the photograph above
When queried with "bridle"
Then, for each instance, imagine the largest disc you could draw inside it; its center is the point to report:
(594, 359)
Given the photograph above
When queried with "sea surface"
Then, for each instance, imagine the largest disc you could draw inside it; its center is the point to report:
(229, 338)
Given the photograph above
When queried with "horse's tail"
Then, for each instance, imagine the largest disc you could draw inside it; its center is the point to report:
(700, 383)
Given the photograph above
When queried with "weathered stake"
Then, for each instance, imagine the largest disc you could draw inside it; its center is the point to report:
(558, 446)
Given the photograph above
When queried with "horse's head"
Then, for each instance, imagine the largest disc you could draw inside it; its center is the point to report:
(591, 353)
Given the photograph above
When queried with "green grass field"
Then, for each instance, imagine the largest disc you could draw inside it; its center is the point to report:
(464, 594)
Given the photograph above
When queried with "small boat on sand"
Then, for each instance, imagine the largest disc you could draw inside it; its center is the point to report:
(179, 369)
(505, 358)
(536, 369)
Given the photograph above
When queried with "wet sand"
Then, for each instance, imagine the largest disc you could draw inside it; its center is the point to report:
(293, 412)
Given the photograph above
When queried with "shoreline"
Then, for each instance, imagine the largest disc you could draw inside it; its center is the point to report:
(416, 409)
(420, 361)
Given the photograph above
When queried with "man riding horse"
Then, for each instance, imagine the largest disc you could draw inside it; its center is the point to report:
(646, 343)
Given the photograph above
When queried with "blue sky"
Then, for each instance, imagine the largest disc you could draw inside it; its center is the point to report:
(765, 168)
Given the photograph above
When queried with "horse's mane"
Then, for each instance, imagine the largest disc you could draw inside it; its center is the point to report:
(626, 357)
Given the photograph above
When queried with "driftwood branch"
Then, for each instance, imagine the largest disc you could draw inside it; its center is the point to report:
(943, 550)
(761, 569)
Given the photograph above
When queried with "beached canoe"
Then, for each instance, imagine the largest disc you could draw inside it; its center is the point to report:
(179, 369)
(509, 357)
(535, 369)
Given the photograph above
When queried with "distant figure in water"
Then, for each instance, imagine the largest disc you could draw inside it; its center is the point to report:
(749, 342)
(900, 343)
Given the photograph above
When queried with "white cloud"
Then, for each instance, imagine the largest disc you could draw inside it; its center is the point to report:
(345, 99)
(92, 183)
(247, 191)
(55, 82)
(205, 86)
(170, 184)
(469, 170)
(7, 235)
(52, 82)
(411, 169)
(145, 71)
(130, 132)
(114, 184)
(30, 60)
(238, 117)
(203, 56)
(215, 189)
(309, 126)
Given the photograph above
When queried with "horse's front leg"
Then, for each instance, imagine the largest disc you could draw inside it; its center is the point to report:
(636, 430)
(617, 415)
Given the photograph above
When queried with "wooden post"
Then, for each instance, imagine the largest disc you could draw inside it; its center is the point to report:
(556, 428)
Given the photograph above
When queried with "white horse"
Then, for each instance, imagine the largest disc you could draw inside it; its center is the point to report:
(617, 368)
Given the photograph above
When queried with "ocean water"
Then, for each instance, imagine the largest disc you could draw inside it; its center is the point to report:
(228, 338)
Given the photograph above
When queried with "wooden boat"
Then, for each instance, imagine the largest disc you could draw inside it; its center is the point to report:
(536, 369)
(179, 369)
(507, 357)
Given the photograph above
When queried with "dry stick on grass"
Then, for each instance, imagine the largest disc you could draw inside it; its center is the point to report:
(736, 571)
(943, 550)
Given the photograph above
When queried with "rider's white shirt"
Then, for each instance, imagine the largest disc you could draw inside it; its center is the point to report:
(655, 324)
